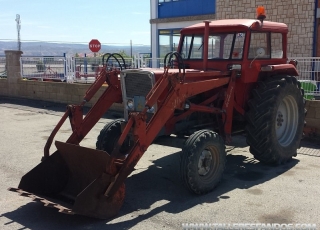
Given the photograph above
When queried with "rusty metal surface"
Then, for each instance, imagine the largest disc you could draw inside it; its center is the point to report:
(92, 202)
(73, 180)
(45, 201)
(84, 165)
(48, 178)
(88, 181)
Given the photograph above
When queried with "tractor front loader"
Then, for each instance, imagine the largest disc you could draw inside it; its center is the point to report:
(227, 76)
(90, 182)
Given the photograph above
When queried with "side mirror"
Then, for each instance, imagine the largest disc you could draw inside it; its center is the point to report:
(260, 52)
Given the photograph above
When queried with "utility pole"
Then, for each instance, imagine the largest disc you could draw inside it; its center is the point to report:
(18, 30)
(131, 48)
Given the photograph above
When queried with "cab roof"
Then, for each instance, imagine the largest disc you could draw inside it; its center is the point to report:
(232, 25)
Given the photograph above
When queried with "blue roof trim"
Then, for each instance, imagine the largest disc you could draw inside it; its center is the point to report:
(181, 8)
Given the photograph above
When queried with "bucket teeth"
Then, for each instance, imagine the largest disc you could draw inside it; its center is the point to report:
(21, 192)
(66, 211)
(44, 201)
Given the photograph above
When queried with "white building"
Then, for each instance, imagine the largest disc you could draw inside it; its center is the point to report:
(169, 16)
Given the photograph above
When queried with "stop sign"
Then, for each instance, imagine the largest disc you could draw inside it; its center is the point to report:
(94, 45)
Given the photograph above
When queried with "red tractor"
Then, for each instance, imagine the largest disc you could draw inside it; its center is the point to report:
(226, 76)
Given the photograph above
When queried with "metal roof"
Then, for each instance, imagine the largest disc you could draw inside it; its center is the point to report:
(240, 24)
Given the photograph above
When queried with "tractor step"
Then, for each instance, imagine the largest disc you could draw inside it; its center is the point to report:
(45, 201)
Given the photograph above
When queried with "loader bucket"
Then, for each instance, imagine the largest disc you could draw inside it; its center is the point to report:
(73, 180)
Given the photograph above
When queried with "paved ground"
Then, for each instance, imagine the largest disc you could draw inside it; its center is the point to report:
(156, 198)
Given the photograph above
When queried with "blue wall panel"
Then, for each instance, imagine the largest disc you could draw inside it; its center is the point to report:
(182, 8)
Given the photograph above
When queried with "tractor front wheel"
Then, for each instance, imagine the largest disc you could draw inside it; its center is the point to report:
(109, 137)
(275, 120)
(203, 161)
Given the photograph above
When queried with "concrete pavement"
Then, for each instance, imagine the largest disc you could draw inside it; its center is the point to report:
(250, 192)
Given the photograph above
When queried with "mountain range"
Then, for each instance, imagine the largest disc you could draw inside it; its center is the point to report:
(59, 49)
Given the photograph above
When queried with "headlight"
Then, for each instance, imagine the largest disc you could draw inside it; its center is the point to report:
(151, 110)
(130, 104)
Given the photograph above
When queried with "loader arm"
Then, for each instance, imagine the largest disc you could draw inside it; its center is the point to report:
(178, 92)
(82, 126)
(80, 180)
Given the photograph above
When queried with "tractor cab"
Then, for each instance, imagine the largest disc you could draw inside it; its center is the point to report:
(243, 44)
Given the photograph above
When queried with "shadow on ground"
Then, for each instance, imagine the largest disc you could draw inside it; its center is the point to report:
(155, 190)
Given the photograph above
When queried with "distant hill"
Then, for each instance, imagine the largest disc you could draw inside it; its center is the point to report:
(58, 49)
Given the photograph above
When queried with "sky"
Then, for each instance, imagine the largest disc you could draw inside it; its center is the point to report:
(110, 21)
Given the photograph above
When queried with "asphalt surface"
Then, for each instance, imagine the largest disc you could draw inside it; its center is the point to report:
(156, 198)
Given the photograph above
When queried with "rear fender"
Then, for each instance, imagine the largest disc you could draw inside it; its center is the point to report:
(282, 69)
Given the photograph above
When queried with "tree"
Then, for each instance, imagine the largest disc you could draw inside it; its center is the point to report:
(123, 54)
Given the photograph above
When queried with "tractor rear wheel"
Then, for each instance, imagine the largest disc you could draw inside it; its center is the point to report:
(275, 120)
(202, 162)
(109, 137)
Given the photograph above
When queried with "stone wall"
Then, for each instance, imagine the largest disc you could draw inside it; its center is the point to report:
(61, 92)
(48, 91)
(297, 14)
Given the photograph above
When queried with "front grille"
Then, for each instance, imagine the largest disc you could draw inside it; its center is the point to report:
(137, 84)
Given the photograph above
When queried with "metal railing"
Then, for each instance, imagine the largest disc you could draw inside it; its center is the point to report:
(88, 68)
(43, 68)
(154, 62)
(62, 68)
(309, 75)
(3, 71)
